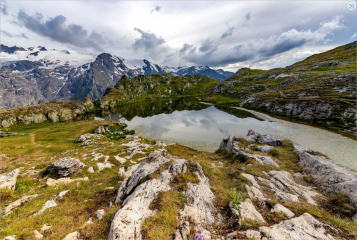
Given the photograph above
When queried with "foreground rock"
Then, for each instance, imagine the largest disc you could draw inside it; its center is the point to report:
(128, 220)
(87, 139)
(65, 166)
(332, 178)
(8, 180)
(263, 139)
(303, 227)
(72, 236)
(19, 202)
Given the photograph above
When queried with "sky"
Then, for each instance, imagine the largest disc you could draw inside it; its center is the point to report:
(219, 34)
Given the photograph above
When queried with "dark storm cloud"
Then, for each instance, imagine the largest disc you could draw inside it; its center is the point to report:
(281, 47)
(7, 34)
(57, 30)
(3, 5)
(148, 41)
(207, 45)
(228, 33)
(186, 47)
(157, 9)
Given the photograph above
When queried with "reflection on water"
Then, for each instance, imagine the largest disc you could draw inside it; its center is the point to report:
(201, 126)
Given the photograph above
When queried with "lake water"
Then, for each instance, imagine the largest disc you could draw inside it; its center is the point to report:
(201, 126)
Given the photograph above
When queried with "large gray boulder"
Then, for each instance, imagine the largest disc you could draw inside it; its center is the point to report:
(332, 178)
(8, 180)
(270, 140)
(65, 166)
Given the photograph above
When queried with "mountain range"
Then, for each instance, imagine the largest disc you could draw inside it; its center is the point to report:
(37, 75)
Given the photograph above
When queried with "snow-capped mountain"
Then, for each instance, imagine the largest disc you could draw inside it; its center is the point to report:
(37, 75)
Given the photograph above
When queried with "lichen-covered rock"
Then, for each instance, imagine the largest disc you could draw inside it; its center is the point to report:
(8, 121)
(255, 194)
(264, 149)
(281, 209)
(247, 211)
(8, 180)
(65, 166)
(252, 136)
(99, 213)
(251, 179)
(332, 178)
(19, 202)
(37, 234)
(87, 139)
(302, 227)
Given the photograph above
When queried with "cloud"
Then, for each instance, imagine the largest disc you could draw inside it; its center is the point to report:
(7, 34)
(207, 45)
(157, 9)
(56, 29)
(186, 47)
(147, 41)
(256, 50)
(354, 36)
(153, 45)
(228, 33)
(247, 16)
(3, 5)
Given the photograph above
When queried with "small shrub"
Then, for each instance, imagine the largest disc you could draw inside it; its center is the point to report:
(308, 179)
(41, 166)
(183, 197)
(339, 204)
(250, 224)
(275, 217)
(5, 194)
(235, 197)
(274, 152)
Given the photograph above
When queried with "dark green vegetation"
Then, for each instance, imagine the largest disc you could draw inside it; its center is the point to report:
(320, 89)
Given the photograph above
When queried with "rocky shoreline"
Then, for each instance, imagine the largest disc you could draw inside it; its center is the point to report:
(270, 188)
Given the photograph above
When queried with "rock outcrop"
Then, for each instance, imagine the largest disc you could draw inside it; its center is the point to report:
(332, 178)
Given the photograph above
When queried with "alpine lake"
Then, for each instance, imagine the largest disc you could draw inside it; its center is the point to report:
(202, 126)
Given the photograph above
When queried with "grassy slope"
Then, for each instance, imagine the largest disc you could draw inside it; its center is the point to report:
(48, 140)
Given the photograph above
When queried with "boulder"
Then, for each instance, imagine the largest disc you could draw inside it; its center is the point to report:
(281, 209)
(120, 159)
(302, 227)
(53, 182)
(8, 121)
(247, 211)
(19, 202)
(8, 180)
(90, 170)
(65, 166)
(160, 144)
(228, 144)
(252, 136)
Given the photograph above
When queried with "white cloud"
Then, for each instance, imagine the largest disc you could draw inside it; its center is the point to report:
(354, 36)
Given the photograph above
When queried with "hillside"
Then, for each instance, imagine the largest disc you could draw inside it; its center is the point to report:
(155, 86)
(319, 89)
